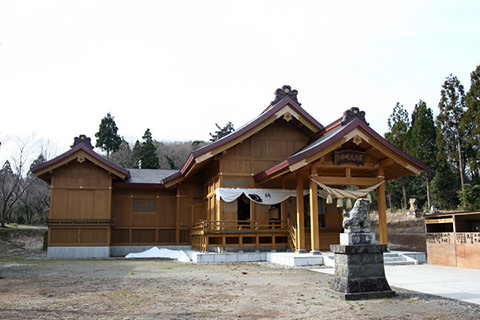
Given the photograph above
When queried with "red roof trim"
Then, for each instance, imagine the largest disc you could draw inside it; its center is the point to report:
(357, 123)
(242, 130)
(275, 169)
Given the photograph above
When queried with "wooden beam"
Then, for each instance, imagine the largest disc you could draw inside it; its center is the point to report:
(329, 164)
(345, 181)
(385, 162)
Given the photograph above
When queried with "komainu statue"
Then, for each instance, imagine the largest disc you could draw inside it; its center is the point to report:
(356, 221)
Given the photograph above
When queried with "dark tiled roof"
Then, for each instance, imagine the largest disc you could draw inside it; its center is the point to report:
(148, 176)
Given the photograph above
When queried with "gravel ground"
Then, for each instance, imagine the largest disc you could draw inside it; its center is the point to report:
(164, 289)
(33, 287)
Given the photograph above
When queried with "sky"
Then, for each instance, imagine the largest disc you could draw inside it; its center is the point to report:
(179, 67)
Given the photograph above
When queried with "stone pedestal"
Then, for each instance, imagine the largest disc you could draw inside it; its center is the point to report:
(359, 269)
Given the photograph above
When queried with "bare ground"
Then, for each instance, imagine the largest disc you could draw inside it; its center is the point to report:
(32, 287)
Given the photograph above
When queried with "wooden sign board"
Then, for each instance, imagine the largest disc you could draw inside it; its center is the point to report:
(349, 156)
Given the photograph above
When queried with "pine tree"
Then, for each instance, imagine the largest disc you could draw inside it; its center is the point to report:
(107, 136)
(471, 125)
(445, 186)
(423, 143)
(399, 124)
(136, 154)
(450, 136)
(146, 155)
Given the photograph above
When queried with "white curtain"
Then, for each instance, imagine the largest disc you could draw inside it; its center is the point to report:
(260, 196)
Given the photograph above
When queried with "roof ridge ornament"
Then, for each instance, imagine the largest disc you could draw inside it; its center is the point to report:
(285, 91)
(82, 139)
(351, 114)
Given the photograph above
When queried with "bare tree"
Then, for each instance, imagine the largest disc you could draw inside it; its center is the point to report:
(19, 189)
(10, 185)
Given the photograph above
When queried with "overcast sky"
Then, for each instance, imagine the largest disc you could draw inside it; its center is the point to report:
(179, 67)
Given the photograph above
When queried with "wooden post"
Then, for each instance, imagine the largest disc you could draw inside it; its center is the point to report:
(314, 229)
(177, 223)
(300, 216)
(382, 210)
(253, 213)
(283, 210)
(220, 184)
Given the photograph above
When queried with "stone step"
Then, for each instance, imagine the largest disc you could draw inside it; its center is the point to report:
(391, 259)
(393, 255)
(398, 260)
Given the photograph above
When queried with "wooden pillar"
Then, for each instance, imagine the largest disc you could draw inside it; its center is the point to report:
(314, 229)
(177, 221)
(253, 213)
(283, 210)
(382, 210)
(220, 203)
(300, 216)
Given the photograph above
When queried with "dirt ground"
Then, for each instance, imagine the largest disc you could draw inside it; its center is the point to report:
(33, 287)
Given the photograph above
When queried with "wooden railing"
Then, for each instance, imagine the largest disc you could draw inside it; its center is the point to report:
(205, 226)
(225, 234)
(292, 232)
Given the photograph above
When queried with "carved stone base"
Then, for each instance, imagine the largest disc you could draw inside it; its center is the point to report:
(357, 238)
(359, 272)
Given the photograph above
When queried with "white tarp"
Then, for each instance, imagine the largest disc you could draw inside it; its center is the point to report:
(260, 196)
(155, 252)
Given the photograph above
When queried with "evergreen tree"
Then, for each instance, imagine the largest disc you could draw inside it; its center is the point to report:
(450, 136)
(444, 187)
(147, 153)
(107, 136)
(423, 146)
(136, 154)
(398, 125)
(471, 125)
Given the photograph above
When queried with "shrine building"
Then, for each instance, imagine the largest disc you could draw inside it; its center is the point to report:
(280, 182)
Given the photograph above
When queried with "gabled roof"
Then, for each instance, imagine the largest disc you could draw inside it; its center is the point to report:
(330, 138)
(79, 151)
(286, 106)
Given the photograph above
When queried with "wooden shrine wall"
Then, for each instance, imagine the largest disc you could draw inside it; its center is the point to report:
(155, 216)
(263, 150)
(80, 205)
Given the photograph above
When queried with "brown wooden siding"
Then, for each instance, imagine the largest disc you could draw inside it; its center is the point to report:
(263, 150)
(80, 191)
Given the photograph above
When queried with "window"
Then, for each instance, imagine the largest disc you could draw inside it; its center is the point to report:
(144, 205)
